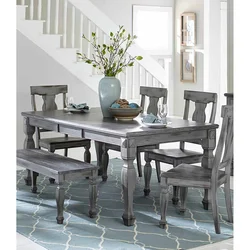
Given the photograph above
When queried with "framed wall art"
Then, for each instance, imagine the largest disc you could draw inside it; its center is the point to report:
(188, 31)
(188, 70)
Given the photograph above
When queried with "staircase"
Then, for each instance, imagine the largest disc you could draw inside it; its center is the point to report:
(56, 26)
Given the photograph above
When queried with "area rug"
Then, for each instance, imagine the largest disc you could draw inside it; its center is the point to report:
(36, 217)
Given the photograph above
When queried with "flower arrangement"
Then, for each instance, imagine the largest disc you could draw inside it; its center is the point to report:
(111, 59)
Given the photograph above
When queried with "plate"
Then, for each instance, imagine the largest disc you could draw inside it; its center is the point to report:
(155, 125)
(72, 110)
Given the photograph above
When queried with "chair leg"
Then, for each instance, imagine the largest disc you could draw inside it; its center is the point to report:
(164, 196)
(215, 209)
(59, 203)
(138, 159)
(87, 155)
(183, 198)
(51, 180)
(66, 152)
(147, 174)
(33, 181)
(175, 197)
(228, 201)
(92, 194)
(158, 170)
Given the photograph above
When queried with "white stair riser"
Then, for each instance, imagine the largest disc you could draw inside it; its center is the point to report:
(50, 41)
(32, 27)
(20, 12)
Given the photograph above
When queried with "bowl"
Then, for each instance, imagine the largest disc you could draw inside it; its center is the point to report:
(125, 114)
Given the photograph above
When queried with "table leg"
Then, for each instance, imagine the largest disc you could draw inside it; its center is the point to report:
(208, 146)
(128, 179)
(147, 174)
(28, 143)
(98, 149)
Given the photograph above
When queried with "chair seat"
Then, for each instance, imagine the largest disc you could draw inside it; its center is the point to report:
(174, 153)
(63, 142)
(191, 173)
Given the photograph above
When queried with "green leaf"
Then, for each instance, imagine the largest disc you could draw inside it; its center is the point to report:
(104, 45)
(111, 34)
(79, 54)
(88, 61)
(134, 36)
(129, 36)
(94, 65)
(131, 64)
(93, 34)
(139, 58)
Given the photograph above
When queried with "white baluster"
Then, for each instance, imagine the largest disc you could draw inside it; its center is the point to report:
(89, 37)
(65, 23)
(22, 2)
(39, 10)
(56, 16)
(150, 80)
(146, 78)
(80, 33)
(136, 81)
(31, 9)
(154, 82)
(73, 27)
(48, 17)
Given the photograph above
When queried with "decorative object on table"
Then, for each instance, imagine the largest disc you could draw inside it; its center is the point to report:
(48, 94)
(77, 108)
(194, 230)
(187, 66)
(163, 112)
(151, 121)
(122, 110)
(110, 59)
(188, 34)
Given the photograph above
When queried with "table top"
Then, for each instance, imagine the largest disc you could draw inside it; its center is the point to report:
(95, 122)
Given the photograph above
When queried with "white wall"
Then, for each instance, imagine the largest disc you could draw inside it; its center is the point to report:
(35, 67)
(179, 87)
(120, 11)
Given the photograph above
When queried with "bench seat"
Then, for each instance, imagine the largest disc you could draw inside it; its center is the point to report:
(61, 169)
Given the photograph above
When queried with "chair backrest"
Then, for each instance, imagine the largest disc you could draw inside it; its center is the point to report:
(48, 93)
(224, 151)
(201, 99)
(154, 94)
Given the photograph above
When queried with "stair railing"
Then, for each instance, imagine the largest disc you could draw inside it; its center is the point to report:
(73, 18)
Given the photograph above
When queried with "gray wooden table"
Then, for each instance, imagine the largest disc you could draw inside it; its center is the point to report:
(128, 135)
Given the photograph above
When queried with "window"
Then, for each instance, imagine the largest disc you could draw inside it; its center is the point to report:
(153, 27)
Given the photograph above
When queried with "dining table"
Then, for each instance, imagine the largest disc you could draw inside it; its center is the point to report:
(128, 135)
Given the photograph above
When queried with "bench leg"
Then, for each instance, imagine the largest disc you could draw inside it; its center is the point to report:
(52, 150)
(87, 155)
(60, 202)
(33, 181)
(105, 163)
(92, 194)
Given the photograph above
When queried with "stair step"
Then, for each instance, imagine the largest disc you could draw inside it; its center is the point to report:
(69, 53)
(20, 12)
(50, 40)
(31, 27)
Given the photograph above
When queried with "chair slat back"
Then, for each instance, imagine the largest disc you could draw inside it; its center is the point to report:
(201, 99)
(48, 94)
(154, 95)
(224, 150)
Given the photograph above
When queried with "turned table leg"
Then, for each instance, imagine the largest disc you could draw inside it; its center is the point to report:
(208, 146)
(147, 174)
(128, 179)
(98, 149)
(28, 143)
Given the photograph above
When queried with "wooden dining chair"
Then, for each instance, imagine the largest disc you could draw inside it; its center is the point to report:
(180, 155)
(150, 97)
(48, 94)
(186, 175)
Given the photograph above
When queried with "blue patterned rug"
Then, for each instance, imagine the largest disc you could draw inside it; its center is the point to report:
(36, 217)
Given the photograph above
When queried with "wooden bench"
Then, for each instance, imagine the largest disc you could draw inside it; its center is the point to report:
(61, 169)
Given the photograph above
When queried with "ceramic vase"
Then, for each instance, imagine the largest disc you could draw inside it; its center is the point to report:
(109, 90)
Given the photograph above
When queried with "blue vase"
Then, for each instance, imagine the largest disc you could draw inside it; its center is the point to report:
(109, 91)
